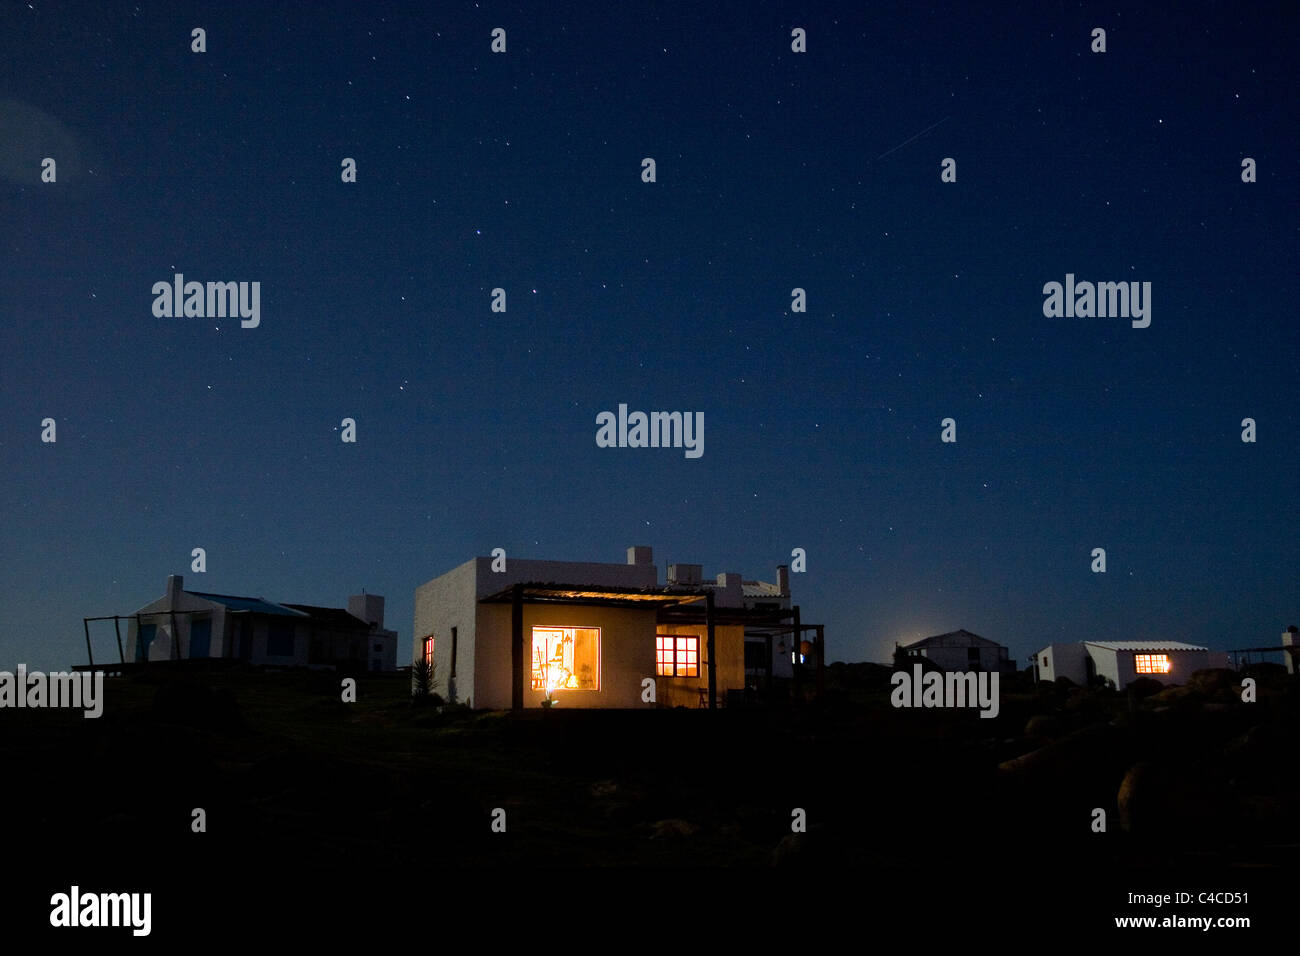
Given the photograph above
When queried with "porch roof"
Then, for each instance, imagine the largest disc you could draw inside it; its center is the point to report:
(535, 592)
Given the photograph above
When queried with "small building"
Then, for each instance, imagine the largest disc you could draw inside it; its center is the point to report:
(960, 651)
(1122, 662)
(193, 625)
(518, 633)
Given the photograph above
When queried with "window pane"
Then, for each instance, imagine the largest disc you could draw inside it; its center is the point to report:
(566, 658)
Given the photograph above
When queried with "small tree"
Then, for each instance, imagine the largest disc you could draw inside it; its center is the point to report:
(422, 677)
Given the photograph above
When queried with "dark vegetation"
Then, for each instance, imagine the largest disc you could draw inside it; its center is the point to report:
(291, 777)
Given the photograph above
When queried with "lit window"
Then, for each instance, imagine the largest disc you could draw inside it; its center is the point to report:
(428, 651)
(566, 658)
(1153, 663)
(677, 655)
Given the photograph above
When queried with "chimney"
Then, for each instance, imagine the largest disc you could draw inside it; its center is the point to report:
(369, 608)
(728, 593)
(640, 554)
(1290, 638)
(175, 585)
(783, 579)
(686, 575)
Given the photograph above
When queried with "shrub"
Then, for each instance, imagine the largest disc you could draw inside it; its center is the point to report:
(422, 672)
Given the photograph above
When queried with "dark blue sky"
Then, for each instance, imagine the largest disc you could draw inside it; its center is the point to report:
(477, 430)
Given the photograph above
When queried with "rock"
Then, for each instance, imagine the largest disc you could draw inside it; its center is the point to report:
(1144, 687)
(673, 828)
(1081, 745)
(1175, 695)
(1213, 680)
(1157, 800)
(1129, 788)
(604, 788)
(1043, 725)
(788, 851)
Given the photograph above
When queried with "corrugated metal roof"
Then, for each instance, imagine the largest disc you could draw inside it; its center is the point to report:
(1147, 645)
(958, 638)
(255, 604)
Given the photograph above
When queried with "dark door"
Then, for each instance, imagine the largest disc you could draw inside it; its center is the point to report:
(143, 640)
(200, 638)
(245, 638)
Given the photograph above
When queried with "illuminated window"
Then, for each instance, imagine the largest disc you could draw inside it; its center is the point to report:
(1153, 663)
(428, 651)
(566, 658)
(677, 655)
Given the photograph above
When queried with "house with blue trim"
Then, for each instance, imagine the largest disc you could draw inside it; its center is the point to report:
(196, 625)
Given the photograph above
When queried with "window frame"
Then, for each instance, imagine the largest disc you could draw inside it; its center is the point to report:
(532, 644)
(659, 663)
(1152, 664)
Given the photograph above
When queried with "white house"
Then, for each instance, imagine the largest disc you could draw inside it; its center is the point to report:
(589, 634)
(190, 625)
(1122, 662)
(961, 651)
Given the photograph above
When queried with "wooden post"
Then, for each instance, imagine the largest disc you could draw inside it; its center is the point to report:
(821, 659)
(771, 666)
(712, 648)
(120, 655)
(798, 639)
(517, 647)
(89, 653)
(176, 638)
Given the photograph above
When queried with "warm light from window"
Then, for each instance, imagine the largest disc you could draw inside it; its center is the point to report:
(1153, 663)
(677, 655)
(566, 658)
(428, 651)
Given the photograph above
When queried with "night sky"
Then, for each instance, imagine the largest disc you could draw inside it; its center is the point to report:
(775, 170)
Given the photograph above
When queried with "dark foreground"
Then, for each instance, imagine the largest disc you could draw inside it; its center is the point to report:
(338, 819)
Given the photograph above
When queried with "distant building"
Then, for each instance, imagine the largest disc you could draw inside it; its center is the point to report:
(961, 651)
(1122, 662)
(588, 634)
(1291, 639)
(191, 625)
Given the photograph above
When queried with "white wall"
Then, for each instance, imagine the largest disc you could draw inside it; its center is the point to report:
(451, 600)
(627, 653)
(1063, 660)
(445, 602)
(958, 658)
(563, 572)
(1121, 666)
(162, 647)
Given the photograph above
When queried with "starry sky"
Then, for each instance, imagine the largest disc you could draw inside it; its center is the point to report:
(775, 170)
